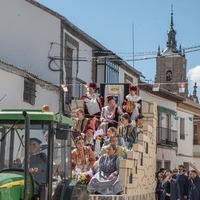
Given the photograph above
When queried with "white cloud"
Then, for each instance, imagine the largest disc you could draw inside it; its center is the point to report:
(194, 75)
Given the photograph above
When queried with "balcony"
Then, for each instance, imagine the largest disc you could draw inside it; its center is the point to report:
(166, 136)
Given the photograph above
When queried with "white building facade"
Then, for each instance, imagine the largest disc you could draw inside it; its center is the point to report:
(174, 129)
(20, 89)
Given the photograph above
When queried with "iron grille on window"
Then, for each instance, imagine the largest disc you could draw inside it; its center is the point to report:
(166, 136)
(29, 91)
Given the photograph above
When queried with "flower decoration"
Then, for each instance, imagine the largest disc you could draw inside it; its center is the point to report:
(84, 178)
(100, 138)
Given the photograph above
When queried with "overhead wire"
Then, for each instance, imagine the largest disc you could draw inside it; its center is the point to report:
(146, 55)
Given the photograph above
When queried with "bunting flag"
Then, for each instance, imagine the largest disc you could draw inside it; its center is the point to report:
(64, 87)
(156, 87)
(181, 87)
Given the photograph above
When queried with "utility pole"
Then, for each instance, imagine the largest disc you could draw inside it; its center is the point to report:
(133, 43)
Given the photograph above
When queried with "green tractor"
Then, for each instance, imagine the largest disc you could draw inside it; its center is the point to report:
(19, 178)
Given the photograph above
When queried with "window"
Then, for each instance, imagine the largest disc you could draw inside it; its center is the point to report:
(71, 66)
(158, 165)
(160, 117)
(186, 165)
(169, 75)
(68, 69)
(167, 164)
(112, 72)
(128, 79)
(168, 121)
(29, 90)
(182, 128)
(195, 133)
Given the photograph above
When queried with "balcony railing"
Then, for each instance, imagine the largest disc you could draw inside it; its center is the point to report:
(196, 141)
(166, 136)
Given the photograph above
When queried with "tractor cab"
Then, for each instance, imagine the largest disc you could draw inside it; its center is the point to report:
(33, 153)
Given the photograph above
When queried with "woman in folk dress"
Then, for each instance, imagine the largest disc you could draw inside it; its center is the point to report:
(82, 157)
(127, 131)
(93, 101)
(81, 122)
(106, 180)
(132, 103)
(110, 114)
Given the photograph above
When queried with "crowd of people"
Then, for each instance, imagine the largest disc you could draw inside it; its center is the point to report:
(102, 138)
(103, 132)
(178, 184)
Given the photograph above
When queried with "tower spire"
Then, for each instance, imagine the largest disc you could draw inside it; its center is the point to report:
(171, 43)
(172, 23)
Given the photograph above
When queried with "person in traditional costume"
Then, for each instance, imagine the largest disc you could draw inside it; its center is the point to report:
(106, 180)
(112, 131)
(110, 114)
(93, 101)
(81, 122)
(82, 157)
(120, 151)
(128, 131)
(89, 140)
(132, 103)
(139, 121)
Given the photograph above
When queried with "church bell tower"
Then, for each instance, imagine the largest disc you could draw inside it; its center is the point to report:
(171, 64)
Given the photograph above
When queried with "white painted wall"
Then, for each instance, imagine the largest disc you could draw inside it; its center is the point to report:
(184, 152)
(122, 73)
(26, 34)
(185, 146)
(163, 103)
(11, 95)
(159, 101)
(12, 87)
(167, 155)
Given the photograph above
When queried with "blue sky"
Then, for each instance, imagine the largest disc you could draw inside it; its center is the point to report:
(111, 23)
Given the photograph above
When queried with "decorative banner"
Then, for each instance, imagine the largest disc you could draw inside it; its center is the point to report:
(190, 118)
(115, 90)
(156, 87)
(64, 87)
(181, 87)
